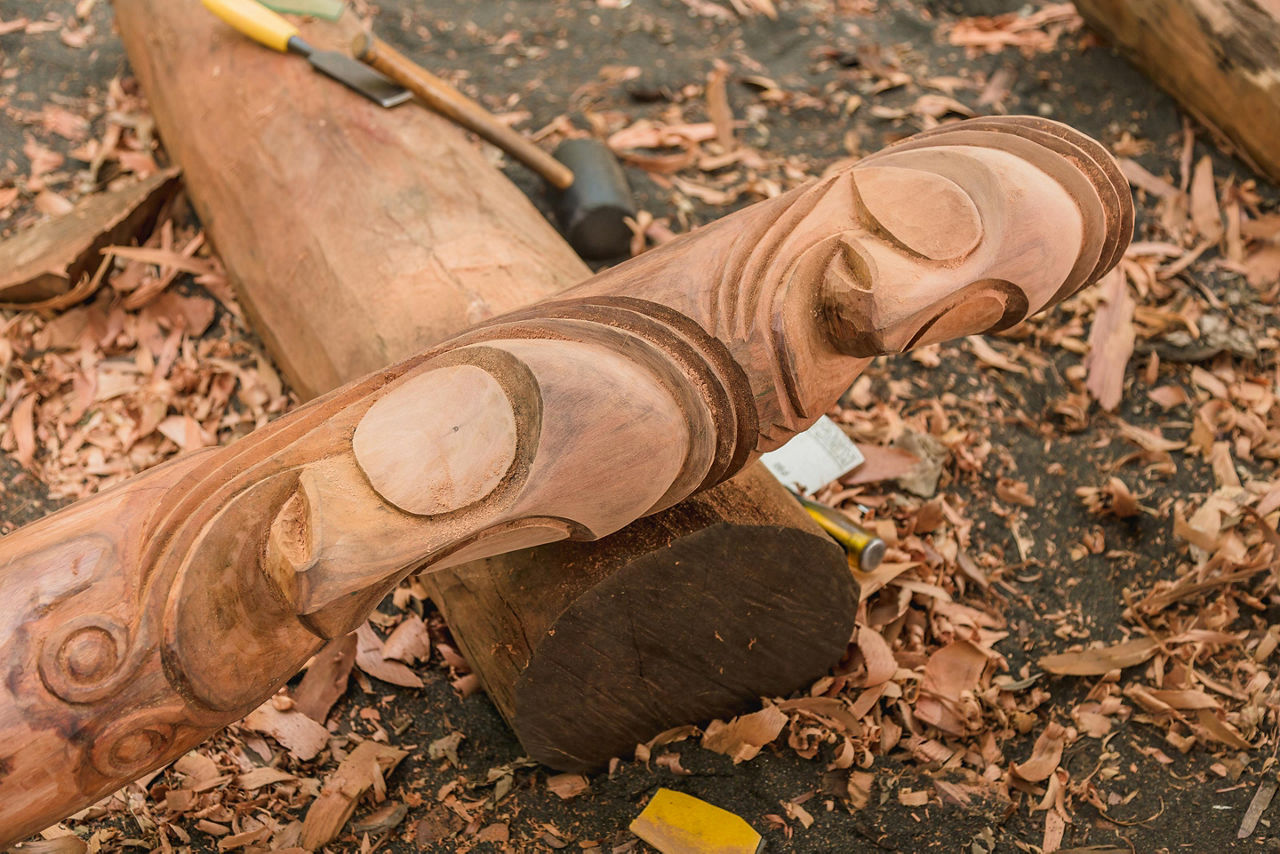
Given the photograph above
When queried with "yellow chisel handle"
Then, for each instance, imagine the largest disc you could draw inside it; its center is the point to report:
(255, 21)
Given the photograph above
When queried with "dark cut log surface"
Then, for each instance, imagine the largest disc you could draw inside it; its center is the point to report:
(708, 606)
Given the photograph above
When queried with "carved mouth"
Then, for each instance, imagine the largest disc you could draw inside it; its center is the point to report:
(989, 305)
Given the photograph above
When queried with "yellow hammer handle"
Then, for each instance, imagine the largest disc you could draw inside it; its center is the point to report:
(255, 21)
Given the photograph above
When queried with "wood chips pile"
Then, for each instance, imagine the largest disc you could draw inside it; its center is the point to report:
(1183, 338)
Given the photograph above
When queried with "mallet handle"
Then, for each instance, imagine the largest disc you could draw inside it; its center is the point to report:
(458, 108)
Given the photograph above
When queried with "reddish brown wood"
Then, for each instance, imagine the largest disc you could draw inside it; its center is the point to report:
(433, 278)
(254, 151)
(145, 618)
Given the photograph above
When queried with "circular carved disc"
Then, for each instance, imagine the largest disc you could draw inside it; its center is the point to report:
(439, 441)
(926, 213)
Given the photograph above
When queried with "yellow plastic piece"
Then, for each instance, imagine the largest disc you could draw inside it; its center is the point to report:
(676, 823)
(255, 21)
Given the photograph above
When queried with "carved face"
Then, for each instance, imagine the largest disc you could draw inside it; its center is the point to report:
(941, 256)
(962, 230)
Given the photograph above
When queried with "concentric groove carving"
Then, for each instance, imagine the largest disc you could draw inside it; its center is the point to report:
(82, 662)
(132, 745)
(186, 596)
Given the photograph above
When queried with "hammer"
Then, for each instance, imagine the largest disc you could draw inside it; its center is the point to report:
(589, 190)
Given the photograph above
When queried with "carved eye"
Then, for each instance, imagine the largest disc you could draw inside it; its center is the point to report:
(917, 210)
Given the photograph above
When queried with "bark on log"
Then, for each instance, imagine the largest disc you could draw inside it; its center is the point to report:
(1219, 58)
(412, 236)
(144, 619)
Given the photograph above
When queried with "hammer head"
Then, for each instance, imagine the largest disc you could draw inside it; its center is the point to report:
(593, 211)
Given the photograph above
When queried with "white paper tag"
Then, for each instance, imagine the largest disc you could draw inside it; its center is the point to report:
(814, 458)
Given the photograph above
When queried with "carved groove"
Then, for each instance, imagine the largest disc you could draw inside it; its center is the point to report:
(192, 592)
(83, 661)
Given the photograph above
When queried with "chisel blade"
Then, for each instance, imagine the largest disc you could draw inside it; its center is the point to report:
(359, 77)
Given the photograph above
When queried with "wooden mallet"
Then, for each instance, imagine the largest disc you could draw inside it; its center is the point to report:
(592, 199)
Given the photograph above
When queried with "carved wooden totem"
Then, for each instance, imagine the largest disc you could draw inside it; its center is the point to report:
(142, 620)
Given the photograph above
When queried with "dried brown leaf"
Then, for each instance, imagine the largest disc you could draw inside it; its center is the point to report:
(882, 462)
(1168, 396)
(1221, 730)
(1014, 492)
(22, 422)
(991, 357)
(363, 771)
(567, 786)
(1045, 755)
(876, 655)
(370, 659)
(951, 672)
(409, 641)
(259, 777)
(50, 258)
(718, 105)
(1111, 341)
(1205, 215)
(326, 678)
(1148, 440)
(1097, 661)
(295, 732)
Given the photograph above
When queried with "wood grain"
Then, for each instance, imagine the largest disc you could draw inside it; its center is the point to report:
(144, 619)
(257, 225)
(1219, 58)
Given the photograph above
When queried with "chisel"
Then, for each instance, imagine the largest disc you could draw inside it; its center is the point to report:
(267, 28)
(864, 546)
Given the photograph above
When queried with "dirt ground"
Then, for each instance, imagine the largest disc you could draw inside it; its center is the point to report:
(818, 53)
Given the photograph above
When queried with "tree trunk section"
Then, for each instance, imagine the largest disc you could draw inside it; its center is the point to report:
(1219, 58)
(358, 236)
(587, 651)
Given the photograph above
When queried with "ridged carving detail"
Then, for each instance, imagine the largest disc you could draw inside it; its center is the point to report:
(145, 618)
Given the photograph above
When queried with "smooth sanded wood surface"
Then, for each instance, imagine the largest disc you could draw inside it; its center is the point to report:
(402, 235)
(145, 618)
(398, 232)
(1219, 58)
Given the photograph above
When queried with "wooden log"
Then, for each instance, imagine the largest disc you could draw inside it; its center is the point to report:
(459, 243)
(1219, 58)
(145, 618)
(721, 600)
(255, 152)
